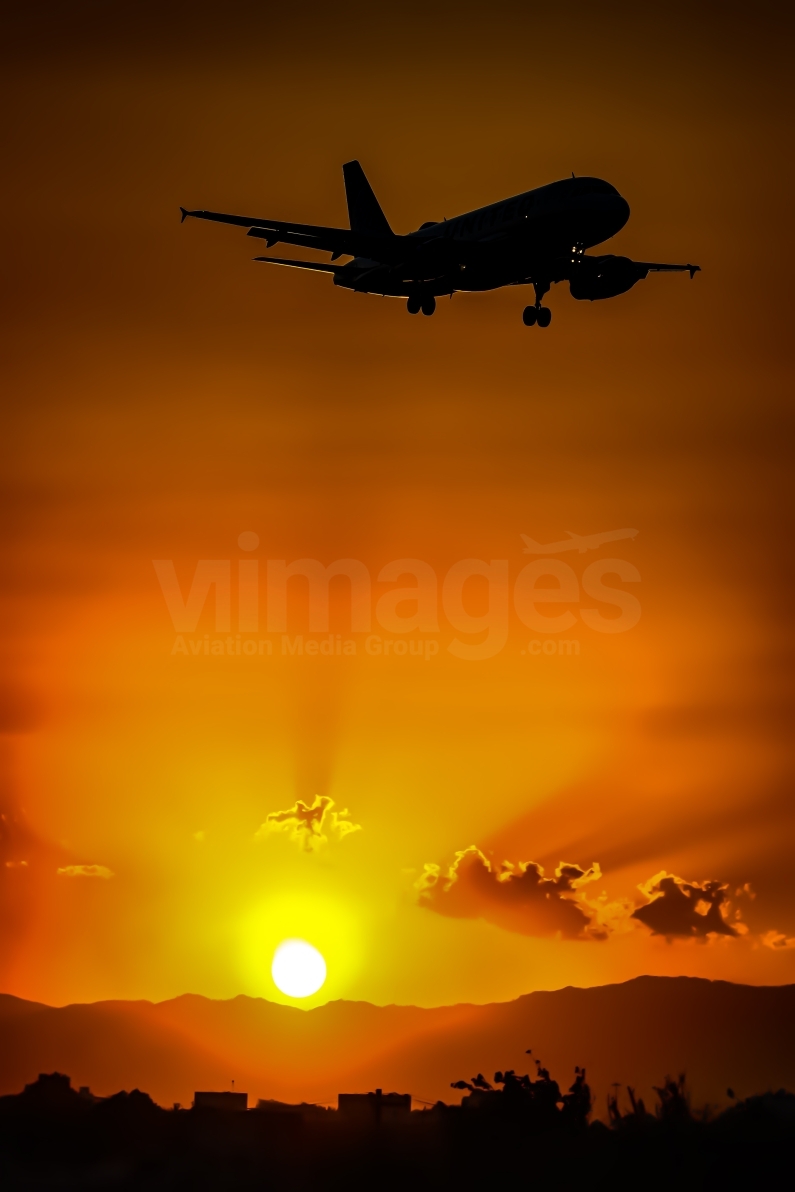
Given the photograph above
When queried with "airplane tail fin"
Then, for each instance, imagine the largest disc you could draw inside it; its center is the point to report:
(364, 211)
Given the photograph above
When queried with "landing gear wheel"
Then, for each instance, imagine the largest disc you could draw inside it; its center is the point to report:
(413, 306)
(428, 305)
(544, 316)
(529, 315)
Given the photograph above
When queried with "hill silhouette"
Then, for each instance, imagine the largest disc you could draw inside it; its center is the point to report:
(723, 1035)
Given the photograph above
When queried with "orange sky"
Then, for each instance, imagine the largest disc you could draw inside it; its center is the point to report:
(162, 394)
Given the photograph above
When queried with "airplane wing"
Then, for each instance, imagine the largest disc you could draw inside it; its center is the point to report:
(656, 267)
(338, 241)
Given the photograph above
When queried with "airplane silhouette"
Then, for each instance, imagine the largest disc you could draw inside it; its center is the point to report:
(580, 542)
(536, 238)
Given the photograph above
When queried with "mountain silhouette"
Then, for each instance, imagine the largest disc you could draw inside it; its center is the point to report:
(722, 1035)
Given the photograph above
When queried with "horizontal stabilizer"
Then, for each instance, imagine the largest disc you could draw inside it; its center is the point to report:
(317, 265)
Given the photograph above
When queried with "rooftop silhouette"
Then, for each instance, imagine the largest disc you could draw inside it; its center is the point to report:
(55, 1136)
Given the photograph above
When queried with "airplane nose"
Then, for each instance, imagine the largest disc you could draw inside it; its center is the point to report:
(621, 208)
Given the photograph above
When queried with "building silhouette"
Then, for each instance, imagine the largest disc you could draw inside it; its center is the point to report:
(234, 1102)
(374, 1107)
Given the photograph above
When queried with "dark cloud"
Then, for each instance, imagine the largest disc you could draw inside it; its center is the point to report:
(517, 897)
(309, 824)
(681, 908)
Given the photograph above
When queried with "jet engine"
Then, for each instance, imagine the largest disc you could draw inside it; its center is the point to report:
(604, 277)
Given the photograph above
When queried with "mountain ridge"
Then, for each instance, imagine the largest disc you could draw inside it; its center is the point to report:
(634, 1032)
(248, 997)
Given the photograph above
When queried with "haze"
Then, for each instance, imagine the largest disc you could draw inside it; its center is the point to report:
(163, 395)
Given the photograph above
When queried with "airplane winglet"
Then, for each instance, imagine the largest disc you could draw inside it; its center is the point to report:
(184, 214)
(694, 269)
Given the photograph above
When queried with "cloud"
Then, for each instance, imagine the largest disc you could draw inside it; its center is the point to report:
(777, 940)
(85, 871)
(517, 897)
(310, 824)
(678, 908)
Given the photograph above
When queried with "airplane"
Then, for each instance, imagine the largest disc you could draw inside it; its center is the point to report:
(580, 542)
(536, 238)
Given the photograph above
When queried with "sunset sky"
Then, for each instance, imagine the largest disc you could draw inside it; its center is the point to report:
(163, 395)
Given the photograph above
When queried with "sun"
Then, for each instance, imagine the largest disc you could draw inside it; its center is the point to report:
(298, 969)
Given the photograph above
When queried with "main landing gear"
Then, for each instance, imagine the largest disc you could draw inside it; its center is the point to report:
(539, 314)
(427, 305)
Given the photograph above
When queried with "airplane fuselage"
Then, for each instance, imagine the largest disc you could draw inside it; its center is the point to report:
(501, 244)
